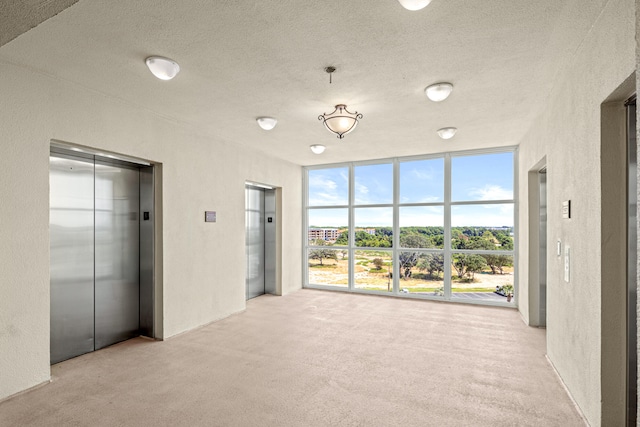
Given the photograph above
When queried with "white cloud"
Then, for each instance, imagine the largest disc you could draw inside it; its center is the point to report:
(362, 194)
(362, 189)
(324, 190)
(491, 192)
(322, 182)
(422, 175)
(482, 216)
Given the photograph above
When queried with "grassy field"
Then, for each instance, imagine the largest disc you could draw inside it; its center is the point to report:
(367, 276)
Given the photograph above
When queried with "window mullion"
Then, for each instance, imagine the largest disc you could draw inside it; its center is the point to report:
(305, 229)
(396, 226)
(352, 233)
(447, 226)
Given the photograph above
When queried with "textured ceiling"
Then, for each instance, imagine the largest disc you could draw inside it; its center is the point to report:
(244, 59)
(19, 16)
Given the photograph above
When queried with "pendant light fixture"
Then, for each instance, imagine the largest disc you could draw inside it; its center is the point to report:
(340, 121)
(162, 68)
(414, 4)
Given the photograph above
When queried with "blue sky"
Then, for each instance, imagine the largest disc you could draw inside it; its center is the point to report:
(422, 181)
(487, 177)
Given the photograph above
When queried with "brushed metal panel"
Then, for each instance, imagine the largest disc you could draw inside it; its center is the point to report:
(254, 223)
(270, 241)
(117, 273)
(71, 224)
(542, 182)
(632, 266)
(147, 290)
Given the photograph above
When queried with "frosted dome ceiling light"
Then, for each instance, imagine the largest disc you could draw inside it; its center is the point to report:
(439, 91)
(162, 68)
(267, 123)
(340, 121)
(414, 4)
(317, 148)
(447, 133)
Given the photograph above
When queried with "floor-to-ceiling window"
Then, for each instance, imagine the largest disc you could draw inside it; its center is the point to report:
(437, 226)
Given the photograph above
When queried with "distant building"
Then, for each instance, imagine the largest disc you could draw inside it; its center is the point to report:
(326, 234)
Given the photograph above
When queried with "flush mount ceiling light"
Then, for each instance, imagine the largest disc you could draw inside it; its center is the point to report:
(340, 121)
(447, 133)
(267, 123)
(414, 4)
(162, 68)
(317, 148)
(439, 91)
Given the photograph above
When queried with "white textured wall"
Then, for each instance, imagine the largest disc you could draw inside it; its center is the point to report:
(204, 263)
(568, 133)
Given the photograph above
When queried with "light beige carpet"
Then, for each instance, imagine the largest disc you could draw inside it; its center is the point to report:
(315, 358)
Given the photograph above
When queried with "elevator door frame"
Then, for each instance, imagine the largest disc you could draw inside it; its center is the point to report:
(632, 260)
(543, 245)
(268, 245)
(538, 243)
(146, 237)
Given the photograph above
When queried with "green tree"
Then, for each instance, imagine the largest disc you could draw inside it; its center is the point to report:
(459, 242)
(488, 235)
(322, 254)
(432, 263)
(381, 239)
(480, 243)
(407, 261)
(343, 239)
(437, 241)
(506, 241)
(468, 265)
(378, 262)
(415, 240)
(497, 262)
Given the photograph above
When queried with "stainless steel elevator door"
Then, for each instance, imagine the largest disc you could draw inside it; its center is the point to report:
(117, 246)
(72, 251)
(254, 225)
(95, 254)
